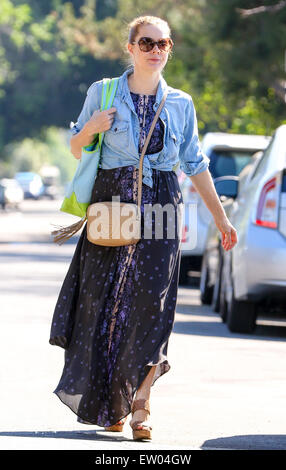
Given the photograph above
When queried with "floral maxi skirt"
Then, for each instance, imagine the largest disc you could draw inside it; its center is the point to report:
(116, 307)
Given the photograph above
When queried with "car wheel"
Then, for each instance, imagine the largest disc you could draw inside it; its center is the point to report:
(241, 315)
(217, 288)
(222, 303)
(206, 290)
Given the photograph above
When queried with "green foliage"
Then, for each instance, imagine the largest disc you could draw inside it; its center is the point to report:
(50, 52)
(31, 154)
(232, 66)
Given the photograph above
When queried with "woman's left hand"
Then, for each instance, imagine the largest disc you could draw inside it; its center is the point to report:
(228, 232)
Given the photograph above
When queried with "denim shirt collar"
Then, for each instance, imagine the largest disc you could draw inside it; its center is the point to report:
(124, 92)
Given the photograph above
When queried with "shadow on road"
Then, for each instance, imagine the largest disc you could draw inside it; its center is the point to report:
(247, 442)
(219, 329)
(36, 257)
(243, 442)
(82, 435)
(205, 322)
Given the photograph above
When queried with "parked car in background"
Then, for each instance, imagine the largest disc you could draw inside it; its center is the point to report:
(31, 184)
(210, 279)
(11, 193)
(251, 278)
(50, 175)
(228, 154)
(2, 196)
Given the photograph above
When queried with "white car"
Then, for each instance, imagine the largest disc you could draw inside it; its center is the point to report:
(229, 154)
(11, 193)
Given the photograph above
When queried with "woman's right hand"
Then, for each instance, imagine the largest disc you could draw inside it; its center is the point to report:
(100, 121)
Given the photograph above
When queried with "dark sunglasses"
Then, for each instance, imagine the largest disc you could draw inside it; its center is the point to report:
(147, 44)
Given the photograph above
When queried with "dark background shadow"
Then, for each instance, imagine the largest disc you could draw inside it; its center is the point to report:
(99, 435)
(248, 442)
(216, 327)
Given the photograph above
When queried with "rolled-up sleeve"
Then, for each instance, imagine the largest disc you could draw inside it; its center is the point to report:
(192, 158)
(89, 106)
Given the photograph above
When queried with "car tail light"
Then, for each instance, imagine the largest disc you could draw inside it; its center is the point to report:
(267, 208)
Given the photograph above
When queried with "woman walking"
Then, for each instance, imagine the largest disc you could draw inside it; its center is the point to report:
(116, 308)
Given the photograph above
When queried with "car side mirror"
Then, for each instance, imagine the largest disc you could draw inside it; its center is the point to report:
(226, 186)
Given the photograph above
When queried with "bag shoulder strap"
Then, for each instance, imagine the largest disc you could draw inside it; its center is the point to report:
(140, 174)
(109, 88)
(107, 96)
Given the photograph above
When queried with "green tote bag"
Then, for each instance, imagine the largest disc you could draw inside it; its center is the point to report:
(79, 191)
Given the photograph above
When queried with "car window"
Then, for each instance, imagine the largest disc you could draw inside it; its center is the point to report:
(229, 162)
(25, 175)
(263, 160)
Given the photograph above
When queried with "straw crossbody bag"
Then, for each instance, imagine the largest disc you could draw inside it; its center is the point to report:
(115, 223)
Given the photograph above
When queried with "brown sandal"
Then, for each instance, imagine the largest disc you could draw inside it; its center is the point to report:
(141, 429)
(117, 427)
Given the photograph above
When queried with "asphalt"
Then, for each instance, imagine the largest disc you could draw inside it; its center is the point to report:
(224, 391)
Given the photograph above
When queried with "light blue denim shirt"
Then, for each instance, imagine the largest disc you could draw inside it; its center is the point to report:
(120, 144)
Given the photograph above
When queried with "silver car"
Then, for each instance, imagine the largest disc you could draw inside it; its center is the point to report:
(229, 154)
(251, 278)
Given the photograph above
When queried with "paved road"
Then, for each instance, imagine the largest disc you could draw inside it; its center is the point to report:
(223, 390)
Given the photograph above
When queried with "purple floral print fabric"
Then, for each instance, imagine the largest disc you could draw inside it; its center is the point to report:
(116, 307)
